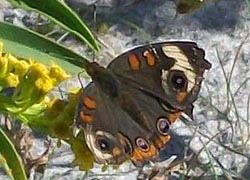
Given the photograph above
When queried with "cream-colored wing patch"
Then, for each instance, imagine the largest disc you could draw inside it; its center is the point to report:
(91, 142)
(181, 64)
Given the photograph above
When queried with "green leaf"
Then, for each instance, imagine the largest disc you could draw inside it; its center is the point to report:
(12, 158)
(61, 14)
(27, 44)
(4, 165)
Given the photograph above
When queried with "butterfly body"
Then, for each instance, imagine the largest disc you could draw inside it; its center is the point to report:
(127, 110)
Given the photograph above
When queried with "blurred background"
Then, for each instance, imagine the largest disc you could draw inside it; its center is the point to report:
(216, 144)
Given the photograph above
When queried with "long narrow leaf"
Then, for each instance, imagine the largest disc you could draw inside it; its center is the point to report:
(7, 150)
(61, 14)
(27, 44)
(5, 167)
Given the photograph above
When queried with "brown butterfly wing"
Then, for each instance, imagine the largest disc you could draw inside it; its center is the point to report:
(170, 71)
(132, 125)
(127, 110)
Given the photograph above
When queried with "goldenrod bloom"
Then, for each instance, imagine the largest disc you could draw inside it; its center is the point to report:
(10, 80)
(35, 84)
(32, 81)
(3, 66)
(57, 73)
(24, 88)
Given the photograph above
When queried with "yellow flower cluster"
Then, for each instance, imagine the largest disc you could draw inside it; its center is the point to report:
(24, 84)
(24, 88)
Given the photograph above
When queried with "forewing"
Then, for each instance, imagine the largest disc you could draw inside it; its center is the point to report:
(170, 71)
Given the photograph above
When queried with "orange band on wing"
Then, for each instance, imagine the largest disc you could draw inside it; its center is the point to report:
(134, 62)
(140, 156)
(162, 141)
(86, 118)
(89, 102)
(150, 58)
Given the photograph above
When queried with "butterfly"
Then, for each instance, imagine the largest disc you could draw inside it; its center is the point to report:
(127, 109)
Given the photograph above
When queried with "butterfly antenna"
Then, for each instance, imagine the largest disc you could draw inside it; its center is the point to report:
(79, 79)
(94, 55)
